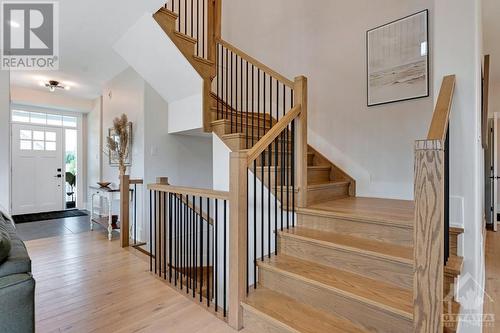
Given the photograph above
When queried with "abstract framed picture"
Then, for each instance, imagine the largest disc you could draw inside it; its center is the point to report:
(398, 60)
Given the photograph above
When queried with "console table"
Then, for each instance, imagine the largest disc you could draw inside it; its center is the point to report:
(109, 194)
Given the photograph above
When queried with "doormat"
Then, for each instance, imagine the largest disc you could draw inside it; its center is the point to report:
(48, 216)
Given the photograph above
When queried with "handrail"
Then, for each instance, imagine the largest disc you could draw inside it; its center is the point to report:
(439, 124)
(272, 134)
(223, 195)
(257, 63)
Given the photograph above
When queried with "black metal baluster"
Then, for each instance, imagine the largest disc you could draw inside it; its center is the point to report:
(150, 230)
(165, 235)
(195, 242)
(170, 216)
(269, 169)
(225, 256)
(179, 241)
(241, 94)
(226, 100)
(255, 223)
(175, 235)
(185, 17)
(258, 104)
(246, 106)
(203, 29)
(219, 75)
(154, 227)
(447, 196)
(159, 232)
(276, 163)
(201, 249)
(216, 257)
(197, 27)
(253, 103)
(230, 101)
(192, 21)
(262, 168)
(208, 252)
(293, 173)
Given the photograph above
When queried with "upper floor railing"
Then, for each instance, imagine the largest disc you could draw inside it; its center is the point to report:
(250, 95)
(431, 230)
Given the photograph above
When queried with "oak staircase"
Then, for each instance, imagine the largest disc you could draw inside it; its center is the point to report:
(347, 263)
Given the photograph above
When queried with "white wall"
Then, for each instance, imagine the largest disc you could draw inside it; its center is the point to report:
(93, 142)
(56, 100)
(462, 56)
(124, 94)
(4, 140)
(326, 41)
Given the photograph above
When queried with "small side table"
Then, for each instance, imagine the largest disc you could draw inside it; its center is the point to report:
(110, 195)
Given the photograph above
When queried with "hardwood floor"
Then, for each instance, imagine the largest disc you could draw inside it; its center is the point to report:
(85, 283)
(491, 305)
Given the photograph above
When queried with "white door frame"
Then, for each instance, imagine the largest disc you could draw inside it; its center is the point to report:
(80, 203)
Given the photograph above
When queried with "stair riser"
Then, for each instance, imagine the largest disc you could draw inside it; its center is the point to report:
(316, 195)
(310, 159)
(260, 323)
(318, 175)
(386, 270)
(380, 232)
(373, 318)
(454, 244)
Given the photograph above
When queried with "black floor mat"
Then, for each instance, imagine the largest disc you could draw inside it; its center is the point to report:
(48, 216)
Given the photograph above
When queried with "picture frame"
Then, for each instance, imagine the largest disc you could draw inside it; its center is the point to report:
(397, 60)
(112, 158)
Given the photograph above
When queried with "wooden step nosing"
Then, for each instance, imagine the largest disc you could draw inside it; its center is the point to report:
(267, 317)
(327, 185)
(340, 292)
(351, 249)
(168, 12)
(348, 217)
(185, 37)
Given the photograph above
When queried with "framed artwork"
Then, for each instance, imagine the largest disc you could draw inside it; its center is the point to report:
(398, 60)
(113, 159)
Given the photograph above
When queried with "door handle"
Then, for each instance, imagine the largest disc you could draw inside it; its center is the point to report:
(57, 176)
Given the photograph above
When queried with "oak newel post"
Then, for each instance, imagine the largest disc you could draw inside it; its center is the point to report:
(237, 237)
(428, 237)
(300, 98)
(124, 210)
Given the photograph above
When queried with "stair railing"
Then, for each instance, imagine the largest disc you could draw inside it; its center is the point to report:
(200, 20)
(431, 230)
(189, 240)
(252, 96)
(263, 197)
(128, 193)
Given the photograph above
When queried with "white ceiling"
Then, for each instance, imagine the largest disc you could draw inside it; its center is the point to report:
(88, 29)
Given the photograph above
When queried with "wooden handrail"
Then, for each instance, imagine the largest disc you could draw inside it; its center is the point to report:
(272, 134)
(257, 63)
(206, 193)
(439, 124)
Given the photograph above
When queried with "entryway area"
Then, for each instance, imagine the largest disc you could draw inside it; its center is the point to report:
(45, 161)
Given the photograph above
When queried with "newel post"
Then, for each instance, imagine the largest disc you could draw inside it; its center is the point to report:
(300, 98)
(124, 210)
(428, 237)
(237, 237)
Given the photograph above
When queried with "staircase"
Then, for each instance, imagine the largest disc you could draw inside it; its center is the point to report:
(347, 263)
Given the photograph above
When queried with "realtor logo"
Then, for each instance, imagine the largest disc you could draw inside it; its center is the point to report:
(30, 35)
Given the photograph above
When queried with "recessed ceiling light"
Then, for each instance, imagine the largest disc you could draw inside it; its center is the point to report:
(14, 24)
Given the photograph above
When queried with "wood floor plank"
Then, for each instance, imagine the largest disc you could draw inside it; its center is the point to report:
(87, 284)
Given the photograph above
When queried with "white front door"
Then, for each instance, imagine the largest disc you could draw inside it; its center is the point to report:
(37, 169)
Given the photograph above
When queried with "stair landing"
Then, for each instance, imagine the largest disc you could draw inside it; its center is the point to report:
(398, 211)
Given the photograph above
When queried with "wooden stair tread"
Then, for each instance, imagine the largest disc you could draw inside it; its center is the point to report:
(168, 12)
(454, 265)
(295, 316)
(450, 310)
(456, 230)
(331, 183)
(185, 37)
(376, 293)
(387, 211)
(388, 251)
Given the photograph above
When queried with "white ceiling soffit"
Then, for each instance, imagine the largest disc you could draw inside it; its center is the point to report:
(88, 30)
